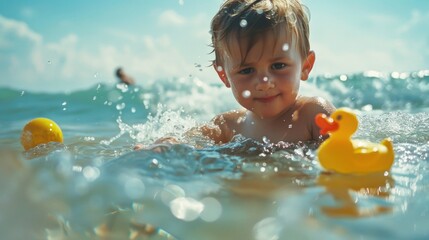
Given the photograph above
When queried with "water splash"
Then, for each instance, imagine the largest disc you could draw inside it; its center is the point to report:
(243, 23)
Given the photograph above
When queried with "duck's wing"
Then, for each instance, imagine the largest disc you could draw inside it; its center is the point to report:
(372, 157)
(366, 148)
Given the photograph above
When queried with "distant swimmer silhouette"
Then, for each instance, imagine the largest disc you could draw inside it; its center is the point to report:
(123, 77)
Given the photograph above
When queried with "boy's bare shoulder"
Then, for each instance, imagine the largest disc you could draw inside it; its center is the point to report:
(308, 108)
(314, 105)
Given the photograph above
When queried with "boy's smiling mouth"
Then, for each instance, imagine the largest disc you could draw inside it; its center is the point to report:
(266, 99)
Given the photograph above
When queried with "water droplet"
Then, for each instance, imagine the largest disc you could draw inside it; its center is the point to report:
(343, 77)
(95, 75)
(88, 139)
(367, 108)
(64, 103)
(133, 110)
(290, 126)
(265, 140)
(285, 47)
(265, 79)
(212, 209)
(146, 104)
(22, 93)
(423, 73)
(219, 68)
(246, 94)
(77, 168)
(243, 23)
(395, 75)
(120, 106)
(187, 209)
(91, 173)
(122, 86)
(154, 163)
(94, 98)
(138, 207)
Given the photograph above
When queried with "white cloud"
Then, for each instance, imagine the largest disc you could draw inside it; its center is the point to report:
(375, 53)
(171, 18)
(388, 44)
(69, 64)
(21, 29)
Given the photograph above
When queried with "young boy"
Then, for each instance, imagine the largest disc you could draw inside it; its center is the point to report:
(262, 53)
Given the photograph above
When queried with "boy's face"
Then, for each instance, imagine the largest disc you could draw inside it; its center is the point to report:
(267, 81)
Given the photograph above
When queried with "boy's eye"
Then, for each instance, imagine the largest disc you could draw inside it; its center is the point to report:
(277, 66)
(246, 71)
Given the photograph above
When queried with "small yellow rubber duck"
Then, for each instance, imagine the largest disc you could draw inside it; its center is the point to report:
(40, 131)
(341, 154)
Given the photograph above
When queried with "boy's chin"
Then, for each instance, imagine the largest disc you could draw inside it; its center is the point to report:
(267, 115)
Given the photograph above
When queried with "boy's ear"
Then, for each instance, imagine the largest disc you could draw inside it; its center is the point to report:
(307, 65)
(221, 73)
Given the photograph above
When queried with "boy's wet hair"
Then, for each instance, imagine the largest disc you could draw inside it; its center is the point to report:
(250, 20)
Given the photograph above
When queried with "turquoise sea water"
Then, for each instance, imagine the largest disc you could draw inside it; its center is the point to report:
(94, 186)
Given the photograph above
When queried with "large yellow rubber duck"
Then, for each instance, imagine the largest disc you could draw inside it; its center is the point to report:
(341, 154)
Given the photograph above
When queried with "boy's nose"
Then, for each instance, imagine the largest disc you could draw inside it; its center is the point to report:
(264, 83)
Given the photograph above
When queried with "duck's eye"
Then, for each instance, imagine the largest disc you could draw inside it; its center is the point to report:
(339, 117)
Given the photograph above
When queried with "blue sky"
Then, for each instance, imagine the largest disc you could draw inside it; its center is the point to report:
(68, 45)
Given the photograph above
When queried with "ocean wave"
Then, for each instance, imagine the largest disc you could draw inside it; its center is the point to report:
(374, 90)
(365, 91)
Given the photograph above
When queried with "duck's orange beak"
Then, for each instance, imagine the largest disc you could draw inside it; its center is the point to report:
(325, 123)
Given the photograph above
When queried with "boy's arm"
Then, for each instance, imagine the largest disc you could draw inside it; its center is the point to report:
(216, 130)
